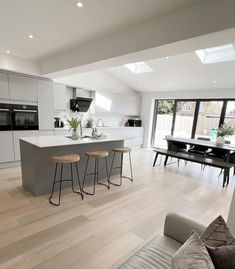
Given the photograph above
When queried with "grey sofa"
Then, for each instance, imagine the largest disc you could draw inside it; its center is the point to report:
(158, 252)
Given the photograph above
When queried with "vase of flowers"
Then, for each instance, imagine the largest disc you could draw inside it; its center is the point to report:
(223, 131)
(74, 121)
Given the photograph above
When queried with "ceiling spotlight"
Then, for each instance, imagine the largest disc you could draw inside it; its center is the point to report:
(31, 36)
(8, 51)
(79, 4)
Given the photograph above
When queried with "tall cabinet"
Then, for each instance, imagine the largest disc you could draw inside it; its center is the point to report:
(45, 105)
(4, 87)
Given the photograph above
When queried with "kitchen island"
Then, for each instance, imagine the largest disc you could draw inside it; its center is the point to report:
(38, 167)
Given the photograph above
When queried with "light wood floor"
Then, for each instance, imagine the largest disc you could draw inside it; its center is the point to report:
(104, 230)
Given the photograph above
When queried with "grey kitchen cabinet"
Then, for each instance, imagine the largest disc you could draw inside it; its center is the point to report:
(16, 136)
(4, 87)
(60, 97)
(45, 105)
(7, 148)
(23, 88)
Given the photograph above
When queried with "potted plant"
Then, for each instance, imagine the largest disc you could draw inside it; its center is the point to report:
(223, 131)
(74, 120)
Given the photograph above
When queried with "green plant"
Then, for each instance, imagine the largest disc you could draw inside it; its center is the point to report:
(225, 130)
(74, 123)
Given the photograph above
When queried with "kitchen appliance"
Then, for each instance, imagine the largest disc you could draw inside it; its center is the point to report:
(80, 104)
(5, 117)
(24, 117)
(134, 123)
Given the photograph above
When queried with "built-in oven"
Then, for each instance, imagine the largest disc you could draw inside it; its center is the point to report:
(5, 117)
(24, 117)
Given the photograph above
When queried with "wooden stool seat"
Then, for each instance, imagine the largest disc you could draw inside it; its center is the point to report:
(71, 158)
(121, 150)
(97, 154)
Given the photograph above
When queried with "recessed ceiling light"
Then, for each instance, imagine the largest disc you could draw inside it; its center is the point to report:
(79, 4)
(31, 36)
(8, 51)
(139, 67)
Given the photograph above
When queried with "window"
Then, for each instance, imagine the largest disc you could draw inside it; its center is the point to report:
(209, 118)
(219, 54)
(163, 121)
(230, 118)
(139, 68)
(184, 118)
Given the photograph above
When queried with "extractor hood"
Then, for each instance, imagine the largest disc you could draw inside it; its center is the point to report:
(80, 104)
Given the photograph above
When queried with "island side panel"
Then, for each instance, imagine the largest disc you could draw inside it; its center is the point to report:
(38, 168)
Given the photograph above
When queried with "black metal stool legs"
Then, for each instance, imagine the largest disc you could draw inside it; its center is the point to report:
(96, 176)
(121, 170)
(55, 182)
(60, 183)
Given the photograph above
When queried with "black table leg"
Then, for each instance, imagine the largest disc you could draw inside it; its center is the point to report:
(166, 158)
(155, 159)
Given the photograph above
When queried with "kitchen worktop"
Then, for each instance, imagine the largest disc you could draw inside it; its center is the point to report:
(37, 165)
(56, 141)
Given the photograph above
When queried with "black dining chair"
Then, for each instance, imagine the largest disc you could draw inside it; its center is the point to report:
(198, 149)
(220, 154)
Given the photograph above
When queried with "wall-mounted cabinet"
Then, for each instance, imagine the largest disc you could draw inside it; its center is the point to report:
(118, 104)
(4, 87)
(62, 96)
(23, 88)
(45, 105)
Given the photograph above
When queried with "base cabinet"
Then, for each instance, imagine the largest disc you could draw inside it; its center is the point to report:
(7, 148)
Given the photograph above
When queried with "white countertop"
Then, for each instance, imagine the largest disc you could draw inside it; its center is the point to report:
(55, 141)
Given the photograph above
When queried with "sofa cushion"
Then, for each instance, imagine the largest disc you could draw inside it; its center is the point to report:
(157, 254)
(217, 234)
(222, 257)
(192, 255)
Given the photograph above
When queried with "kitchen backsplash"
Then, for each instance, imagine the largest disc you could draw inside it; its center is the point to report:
(107, 121)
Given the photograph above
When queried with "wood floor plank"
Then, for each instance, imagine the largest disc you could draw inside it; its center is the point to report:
(103, 230)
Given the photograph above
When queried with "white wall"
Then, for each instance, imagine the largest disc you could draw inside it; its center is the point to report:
(96, 81)
(148, 103)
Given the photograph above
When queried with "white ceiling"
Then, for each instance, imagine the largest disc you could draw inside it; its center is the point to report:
(180, 72)
(58, 25)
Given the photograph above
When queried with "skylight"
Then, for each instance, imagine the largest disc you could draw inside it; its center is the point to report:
(139, 67)
(219, 54)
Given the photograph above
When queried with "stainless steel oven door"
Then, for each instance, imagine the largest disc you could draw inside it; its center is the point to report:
(5, 117)
(25, 119)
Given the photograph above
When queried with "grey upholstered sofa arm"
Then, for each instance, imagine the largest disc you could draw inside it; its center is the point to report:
(179, 227)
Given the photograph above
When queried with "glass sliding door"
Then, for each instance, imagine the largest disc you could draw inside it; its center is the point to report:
(163, 122)
(208, 118)
(184, 118)
(230, 118)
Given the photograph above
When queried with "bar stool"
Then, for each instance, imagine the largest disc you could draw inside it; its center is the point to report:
(65, 159)
(96, 155)
(121, 151)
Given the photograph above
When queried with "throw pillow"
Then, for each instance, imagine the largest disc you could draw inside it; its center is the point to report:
(217, 234)
(192, 255)
(223, 257)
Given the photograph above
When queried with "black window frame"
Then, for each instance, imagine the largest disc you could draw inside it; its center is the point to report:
(196, 113)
